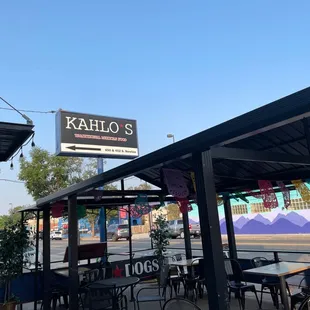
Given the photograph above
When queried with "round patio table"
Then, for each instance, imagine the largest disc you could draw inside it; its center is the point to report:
(117, 285)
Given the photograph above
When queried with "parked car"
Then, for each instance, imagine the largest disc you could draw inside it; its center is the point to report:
(30, 258)
(116, 232)
(57, 235)
(176, 229)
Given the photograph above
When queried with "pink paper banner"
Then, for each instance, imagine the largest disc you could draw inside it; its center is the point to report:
(184, 205)
(286, 194)
(57, 209)
(257, 195)
(141, 207)
(176, 183)
(267, 194)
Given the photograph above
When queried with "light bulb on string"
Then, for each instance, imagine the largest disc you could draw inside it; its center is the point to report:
(21, 153)
(11, 165)
(32, 142)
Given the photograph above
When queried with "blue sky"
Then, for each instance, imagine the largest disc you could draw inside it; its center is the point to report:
(175, 66)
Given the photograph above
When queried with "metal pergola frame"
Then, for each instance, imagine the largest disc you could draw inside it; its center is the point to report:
(272, 143)
(12, 137)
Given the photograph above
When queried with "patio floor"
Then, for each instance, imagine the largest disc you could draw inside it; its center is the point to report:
(251, 303)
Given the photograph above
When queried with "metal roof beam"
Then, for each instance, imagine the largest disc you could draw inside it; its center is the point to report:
(267, 157)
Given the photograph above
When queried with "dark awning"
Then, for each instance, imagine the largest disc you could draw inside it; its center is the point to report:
(12, 137)
(281, 128)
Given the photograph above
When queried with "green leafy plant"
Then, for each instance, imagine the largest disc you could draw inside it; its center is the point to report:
(14, 240)
(160, 236)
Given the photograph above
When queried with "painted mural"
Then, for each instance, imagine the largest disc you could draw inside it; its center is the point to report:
(278, 221)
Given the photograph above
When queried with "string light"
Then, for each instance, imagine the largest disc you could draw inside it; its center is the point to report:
(21, 153)
(32, 142)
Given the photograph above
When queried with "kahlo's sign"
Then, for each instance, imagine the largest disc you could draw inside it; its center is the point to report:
(88, 135)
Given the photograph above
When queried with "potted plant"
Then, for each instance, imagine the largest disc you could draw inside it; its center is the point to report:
(160, 237)
(14, 239)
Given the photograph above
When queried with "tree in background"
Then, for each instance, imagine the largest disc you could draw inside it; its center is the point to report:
(13, 217)
(142, 186)
(45, 173)
(173, 212)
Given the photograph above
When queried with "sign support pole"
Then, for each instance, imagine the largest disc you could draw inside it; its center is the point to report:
(102, 213)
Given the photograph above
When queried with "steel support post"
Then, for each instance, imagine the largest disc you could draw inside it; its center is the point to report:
(37, 259)
(230, 228)
(130, 250)
(210, 232)
(73, 253)
(187, 236)
(46, 258)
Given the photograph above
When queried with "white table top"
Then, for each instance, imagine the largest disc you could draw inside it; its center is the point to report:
(279, 269)
(186, 262)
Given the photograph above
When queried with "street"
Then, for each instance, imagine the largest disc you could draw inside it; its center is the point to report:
(293, 243)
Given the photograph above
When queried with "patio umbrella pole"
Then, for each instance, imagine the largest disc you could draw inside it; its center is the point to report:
(130, 250)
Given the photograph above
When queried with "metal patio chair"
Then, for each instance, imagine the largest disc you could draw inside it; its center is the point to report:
(180, 304)
(89, 277)
(176, 276)
(305, 305)
(199, 271)
(304, 292)
(101, 298)
(236, 282)
(161, 289)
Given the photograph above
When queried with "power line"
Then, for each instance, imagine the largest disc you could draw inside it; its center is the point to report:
(12, 181)
(30, 111)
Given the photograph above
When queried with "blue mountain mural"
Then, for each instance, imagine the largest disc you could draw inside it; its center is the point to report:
(293, 217)
(253, 227)
(260, 218)
(241, 221)
(278, 223)
(306, 228)
(224, 230)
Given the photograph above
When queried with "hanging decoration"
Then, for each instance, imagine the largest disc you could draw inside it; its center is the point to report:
(286, 194)
(176, 183)
(267, 194)
(57, 209)
(141, 207)
(81, 211)
(193, 181)
(20, 151)
(257, 195)
(219, 200)
(123, 212)
(184, 205)
(302, 189)
(242, 197)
